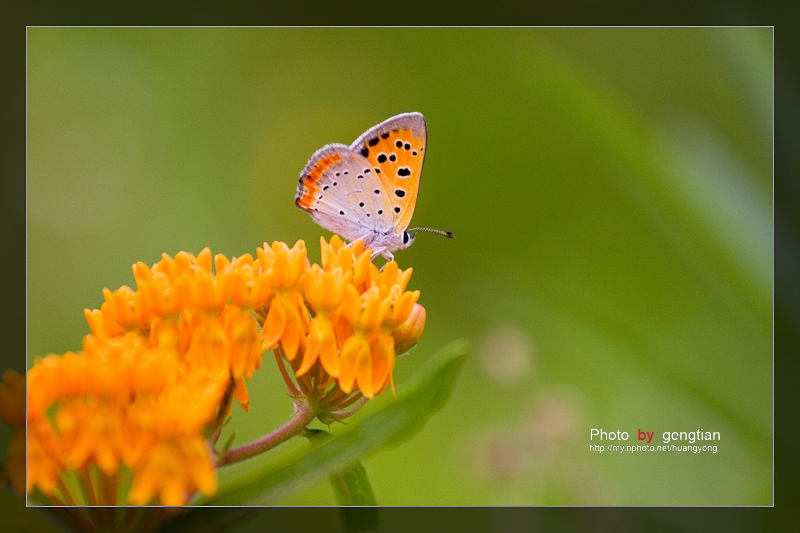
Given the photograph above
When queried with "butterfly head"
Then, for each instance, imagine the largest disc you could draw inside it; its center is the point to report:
(408, 238)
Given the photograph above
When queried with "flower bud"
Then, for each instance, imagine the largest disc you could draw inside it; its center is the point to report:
(408, 332)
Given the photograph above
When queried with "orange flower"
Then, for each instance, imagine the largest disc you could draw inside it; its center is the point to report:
(151, 378)
(407, 333)
(245, 349)
(324, 293)
(358, 314)
(156, 376)
(45, 462)
(287, 321)
(174, 469)
(173, 459)
(368, 356)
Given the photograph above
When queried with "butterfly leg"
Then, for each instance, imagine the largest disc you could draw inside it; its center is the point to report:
(384, 252)
(363, 239)
(377, 251)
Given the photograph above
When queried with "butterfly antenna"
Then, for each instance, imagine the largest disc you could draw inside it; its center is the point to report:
(447, 234)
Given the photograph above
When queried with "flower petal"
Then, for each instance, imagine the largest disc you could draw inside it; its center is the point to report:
(274, 325)
(355, 350)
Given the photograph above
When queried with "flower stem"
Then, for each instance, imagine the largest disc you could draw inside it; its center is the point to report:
(87, 486)
(293, 391)
(109, 482)
(65, 492)
(302, 417)
(354, 410)
(222, 412)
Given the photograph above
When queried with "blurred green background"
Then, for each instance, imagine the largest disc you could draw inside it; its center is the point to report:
(610, 192)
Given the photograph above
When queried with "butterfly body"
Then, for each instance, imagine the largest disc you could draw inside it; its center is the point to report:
(368, 190)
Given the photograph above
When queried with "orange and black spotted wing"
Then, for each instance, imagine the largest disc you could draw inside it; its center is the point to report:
(395, 149)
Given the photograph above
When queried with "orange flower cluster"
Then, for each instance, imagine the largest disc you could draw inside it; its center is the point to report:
(149, 381)
(155, 378)
(360, 316)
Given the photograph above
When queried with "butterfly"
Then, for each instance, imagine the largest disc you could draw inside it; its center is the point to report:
(368, 190)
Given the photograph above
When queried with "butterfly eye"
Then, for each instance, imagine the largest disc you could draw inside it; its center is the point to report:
(407, 239)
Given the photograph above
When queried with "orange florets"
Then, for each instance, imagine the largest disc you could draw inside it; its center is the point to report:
(155, 377)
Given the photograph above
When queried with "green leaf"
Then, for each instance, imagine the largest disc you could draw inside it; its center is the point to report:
(397, 422)
(353, 490)
(350, 484)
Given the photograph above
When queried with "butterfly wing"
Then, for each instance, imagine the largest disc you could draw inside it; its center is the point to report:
(342, 192)
(395, 149)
